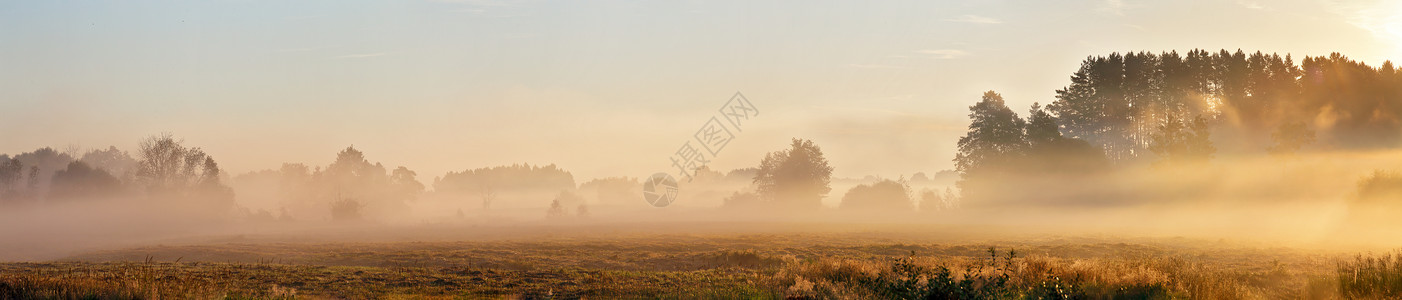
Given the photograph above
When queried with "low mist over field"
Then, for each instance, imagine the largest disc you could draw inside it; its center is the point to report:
(540, 150)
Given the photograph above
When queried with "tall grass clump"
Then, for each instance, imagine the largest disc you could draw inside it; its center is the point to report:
(1371, 277)
(980, 280)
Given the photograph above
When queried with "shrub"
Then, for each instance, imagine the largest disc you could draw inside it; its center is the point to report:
(346, 210)
(556, 210)
(1381, 185)
(881, 195)
(743, 200)
(907, 280)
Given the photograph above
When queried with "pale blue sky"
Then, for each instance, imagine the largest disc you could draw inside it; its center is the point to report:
(602, 88)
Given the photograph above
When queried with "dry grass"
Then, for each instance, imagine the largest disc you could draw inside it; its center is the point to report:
(682, 266)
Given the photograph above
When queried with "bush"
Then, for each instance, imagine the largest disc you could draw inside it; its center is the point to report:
(743, 200)
(556, 210)
(1379, 186)
(882, 195)
(562, 200)
(346, 210)
(907, 280)
(932, 201)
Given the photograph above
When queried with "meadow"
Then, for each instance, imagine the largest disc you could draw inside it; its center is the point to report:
(793, 261)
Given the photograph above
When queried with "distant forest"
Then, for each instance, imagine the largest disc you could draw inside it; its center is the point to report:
(1120, 110)
(1119, 101)
(1177, 109)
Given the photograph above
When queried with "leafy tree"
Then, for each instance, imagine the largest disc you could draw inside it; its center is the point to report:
(346, 209)
(919, 177)
(795, 178)
(81, 182)
(995, 138)
(1381, 187)
(1001, 148)
(40, 166)
(1048, 152)
(881, 195)
(380, 192)
(407, 187)
(112, 160)
(931, 201)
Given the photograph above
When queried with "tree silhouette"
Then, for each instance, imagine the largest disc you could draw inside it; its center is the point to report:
(39, 167)
(112, 160)
(1000, 148)
(519, 184)
(11, 173)
(1177, 142)
(743, 201)
(169, 170)
(888, 195)
(1289, 137)
(81, 182)
(795, 178)
(407, 187)
(562, 200)
(381, 192)
(614, 190)
(1119, 101)
(1042, 129)
(994, 141)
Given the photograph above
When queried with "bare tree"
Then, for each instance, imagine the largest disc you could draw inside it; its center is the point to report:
(168, 169)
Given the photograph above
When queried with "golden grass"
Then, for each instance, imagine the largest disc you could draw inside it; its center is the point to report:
(673, 266)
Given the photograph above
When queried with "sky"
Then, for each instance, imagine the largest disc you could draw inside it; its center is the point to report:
(599, 88)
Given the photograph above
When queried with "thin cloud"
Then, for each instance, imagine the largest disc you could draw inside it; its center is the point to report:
(976, 19)
(1114, 7)
(361, 55)
(1251, 5)
(874, 66)
(944, 53)
(1379, 18)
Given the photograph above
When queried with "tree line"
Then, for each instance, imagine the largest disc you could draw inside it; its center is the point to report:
(1178, 109)
(163, 170)
(1258, 101)
(1118, 110)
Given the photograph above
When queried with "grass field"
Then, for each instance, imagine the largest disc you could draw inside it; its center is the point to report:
(845, 264)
